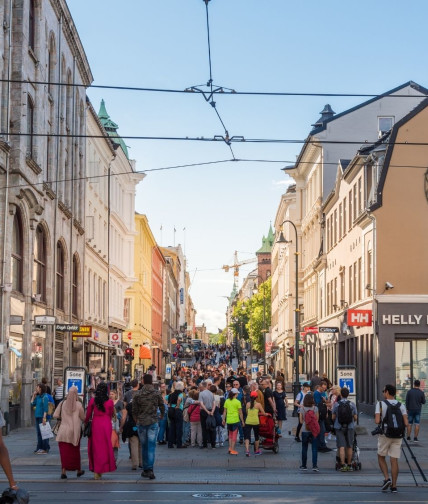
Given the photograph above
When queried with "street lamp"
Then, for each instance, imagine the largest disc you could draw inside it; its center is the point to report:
(264, 321)
(280, 240)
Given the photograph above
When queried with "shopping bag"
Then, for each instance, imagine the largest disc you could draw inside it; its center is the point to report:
(46, 431)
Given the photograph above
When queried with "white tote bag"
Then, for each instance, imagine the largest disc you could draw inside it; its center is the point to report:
(46, 431)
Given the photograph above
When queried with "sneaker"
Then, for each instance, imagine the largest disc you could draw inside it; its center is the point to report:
(41, 452)
(344, 468)
(258, 452)
(148, 474)
(233, 452)
(303, 468)
(350, 468)
(386, 484)
(394, 490)
(247, 453)
(415, 439)
(315, 469)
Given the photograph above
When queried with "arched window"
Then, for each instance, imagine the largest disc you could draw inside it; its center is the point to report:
(31, 26)
(39, 273)
(17, 244)
(51, 65)
(30, 126)
(75, 281)
(59, 276)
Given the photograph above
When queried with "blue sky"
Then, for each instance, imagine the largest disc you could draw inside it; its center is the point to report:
(270, 45)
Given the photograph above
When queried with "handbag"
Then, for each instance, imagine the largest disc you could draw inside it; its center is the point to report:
(46, 431)
(87, 429)
(56, 427)
(211, 423)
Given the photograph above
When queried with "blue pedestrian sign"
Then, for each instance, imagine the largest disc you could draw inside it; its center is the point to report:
(347, 383)
(75, 382)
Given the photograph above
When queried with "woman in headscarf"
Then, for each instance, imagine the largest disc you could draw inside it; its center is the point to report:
(70, 412)
(100, 450)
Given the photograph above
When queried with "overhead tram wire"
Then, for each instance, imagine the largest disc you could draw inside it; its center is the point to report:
(224, 90)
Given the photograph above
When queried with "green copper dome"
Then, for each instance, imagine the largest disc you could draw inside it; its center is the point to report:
(111, 127)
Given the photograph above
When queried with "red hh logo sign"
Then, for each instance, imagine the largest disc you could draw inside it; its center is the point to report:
(359, 317)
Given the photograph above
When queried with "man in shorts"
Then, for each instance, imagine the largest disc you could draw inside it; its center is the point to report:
(389, 446)
(415, 398)
(344, 432)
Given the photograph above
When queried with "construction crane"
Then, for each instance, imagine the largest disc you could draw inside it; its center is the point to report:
(236, 265)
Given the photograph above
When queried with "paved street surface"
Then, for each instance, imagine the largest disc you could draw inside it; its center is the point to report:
(181, 474)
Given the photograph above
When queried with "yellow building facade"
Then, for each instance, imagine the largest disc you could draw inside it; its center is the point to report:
(140, 297)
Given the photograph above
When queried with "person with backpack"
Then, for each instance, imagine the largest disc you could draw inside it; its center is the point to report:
(298, 403)
(344, 415)
(310, 431)
(391, 416)
(321, 403)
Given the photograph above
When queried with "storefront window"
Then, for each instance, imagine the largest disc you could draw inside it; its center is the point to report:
(411, 363)
(15, 369)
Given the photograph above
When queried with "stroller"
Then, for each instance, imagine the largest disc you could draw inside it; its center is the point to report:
(268, 436)
(355, 464)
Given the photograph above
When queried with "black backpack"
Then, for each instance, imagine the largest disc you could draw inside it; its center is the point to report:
(344, 413)
(393, 422)
(322, 410)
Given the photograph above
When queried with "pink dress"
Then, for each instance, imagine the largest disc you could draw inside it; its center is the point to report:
(100, 450)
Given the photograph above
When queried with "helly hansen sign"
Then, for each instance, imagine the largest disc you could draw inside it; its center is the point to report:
(359, 318)
(404, 319)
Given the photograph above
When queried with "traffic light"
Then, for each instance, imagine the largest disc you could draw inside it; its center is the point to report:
(290, 352)
(129, 353)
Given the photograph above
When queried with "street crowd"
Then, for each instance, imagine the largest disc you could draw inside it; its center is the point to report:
(208, 406)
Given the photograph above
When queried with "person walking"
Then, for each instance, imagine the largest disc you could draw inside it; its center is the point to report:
(100, 450)
(344, 416)
(5, 459)
(252, 423)
(307, 435)
(40, 402)
(145, 406)
(58, 392)
(389, 445)
(207, 404)
(233, 417)
(280, 404)
(298, 403)
(415, 398)
(162, 423)
(71, 414)
(175, 416)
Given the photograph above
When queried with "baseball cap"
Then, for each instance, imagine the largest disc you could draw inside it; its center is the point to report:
(253, 394)
(235, 391)
(306, 384)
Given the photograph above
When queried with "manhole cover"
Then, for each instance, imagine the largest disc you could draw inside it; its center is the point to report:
(217, 495)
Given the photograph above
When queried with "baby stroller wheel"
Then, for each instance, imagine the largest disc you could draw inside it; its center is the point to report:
(275, 448)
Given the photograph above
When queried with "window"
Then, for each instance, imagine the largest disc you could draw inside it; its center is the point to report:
(75, 281)
(351, 290)
(30, 126)
(384, 124)
(335, 293)
(335, 227)
(51, 65)
(39, 273)
(369, 266)
(360, 278)
(17, 257)
(342, 285)
(31, 26)
(340, 220)
(344, 216)
(59, 276)
(355, 201)
(360, 195)
(355, 294)
(350, 209)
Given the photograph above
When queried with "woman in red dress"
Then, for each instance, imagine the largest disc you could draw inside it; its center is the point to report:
(100, 450)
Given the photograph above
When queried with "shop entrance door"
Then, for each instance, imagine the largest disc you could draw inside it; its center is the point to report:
(411, 363)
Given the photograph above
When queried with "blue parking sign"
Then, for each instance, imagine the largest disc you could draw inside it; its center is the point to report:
(75, 382)
(348, 383)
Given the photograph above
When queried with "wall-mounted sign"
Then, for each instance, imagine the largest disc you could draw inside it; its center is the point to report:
(330, 330)
(15, 320)
(82, 332)
(168, 371)
(360, 318)
(67, 327)
(44, 320)
(74, 377)
(115, 338)
(410, 319)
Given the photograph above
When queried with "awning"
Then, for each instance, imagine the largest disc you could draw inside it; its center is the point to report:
(145, 352)
(103, 346)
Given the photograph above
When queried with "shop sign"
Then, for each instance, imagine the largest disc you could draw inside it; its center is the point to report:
(115, 338)
(329, 330)
(68, 327)
(84, 331)
(359, 318)
(44, 320)
(404, 319)
(15, 320)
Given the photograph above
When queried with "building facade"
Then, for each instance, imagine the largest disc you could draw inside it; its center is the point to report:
(41, 210)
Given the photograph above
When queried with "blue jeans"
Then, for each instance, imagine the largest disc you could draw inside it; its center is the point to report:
(186, 432)
(305, 442)
(321, 435)
(42, 444)
(148, 435)
(162, 428)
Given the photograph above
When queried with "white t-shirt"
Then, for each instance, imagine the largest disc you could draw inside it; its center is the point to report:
(385, 406)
